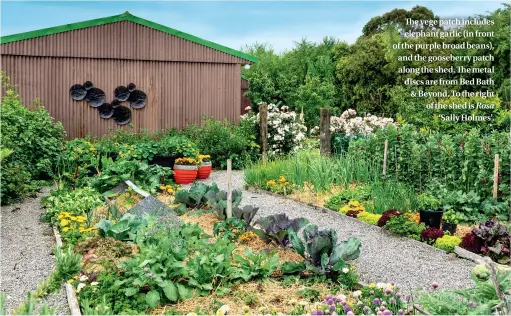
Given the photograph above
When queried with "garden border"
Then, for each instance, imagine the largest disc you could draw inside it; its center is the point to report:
(459, 252)
(72, 300)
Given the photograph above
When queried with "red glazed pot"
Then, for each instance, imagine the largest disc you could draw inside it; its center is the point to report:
(204, 170)
(184, 174)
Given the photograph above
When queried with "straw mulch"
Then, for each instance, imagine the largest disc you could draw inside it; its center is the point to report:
(269, 296)
(318, 198)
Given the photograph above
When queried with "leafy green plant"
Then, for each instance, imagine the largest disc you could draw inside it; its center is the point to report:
(77, 202)
(402, 225)
(360, 193)
(276, 228)
(196, 196)
(229, 229)
(255, 265)
(34, 137)
(218, 202)
(246, 214)
(124, 229)
(447, 243)
(321, 251)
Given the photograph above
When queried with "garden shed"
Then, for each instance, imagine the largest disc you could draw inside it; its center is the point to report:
(122, 71)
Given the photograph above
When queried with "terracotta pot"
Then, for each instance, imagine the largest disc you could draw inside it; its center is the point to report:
(184, 174)
(204, 170)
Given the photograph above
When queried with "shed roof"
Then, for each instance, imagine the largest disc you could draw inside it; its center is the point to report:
(124, 17)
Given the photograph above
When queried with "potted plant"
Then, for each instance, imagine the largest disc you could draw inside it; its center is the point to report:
(450, 221)
(205, 167)
(429, 210)
(185, 170)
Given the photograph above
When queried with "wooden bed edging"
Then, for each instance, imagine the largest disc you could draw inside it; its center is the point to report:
(72, 300)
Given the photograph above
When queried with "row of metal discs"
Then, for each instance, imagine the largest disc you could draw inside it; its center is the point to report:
(95, 97)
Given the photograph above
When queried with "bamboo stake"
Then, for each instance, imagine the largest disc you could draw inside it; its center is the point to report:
(496, 177)
(229, 188)
(385, 152)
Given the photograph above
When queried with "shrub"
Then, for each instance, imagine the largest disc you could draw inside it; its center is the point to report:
(402, 226)
(35, 139)
(369, 218)
(224, 140)
(447, 242)
(285, 131)
(15, 181)
(385, 217)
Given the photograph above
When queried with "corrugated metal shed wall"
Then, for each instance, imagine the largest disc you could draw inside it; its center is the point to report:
(121, 40)
(179, 93)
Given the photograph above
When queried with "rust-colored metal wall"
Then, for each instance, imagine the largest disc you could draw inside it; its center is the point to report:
(121, 40)
(178, 93)
(183, 80)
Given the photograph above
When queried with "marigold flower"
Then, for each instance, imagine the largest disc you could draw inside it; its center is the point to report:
(64, 222)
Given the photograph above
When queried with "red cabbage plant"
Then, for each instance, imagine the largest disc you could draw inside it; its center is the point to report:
(431, 234)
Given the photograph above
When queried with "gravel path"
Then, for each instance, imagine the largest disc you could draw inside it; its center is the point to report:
(27, 253)
(384, 257)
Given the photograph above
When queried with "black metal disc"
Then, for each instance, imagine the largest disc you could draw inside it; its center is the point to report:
(95, 97)
(106, 110)
(115, 103)
(121, 93)
(77, 92)
(131, 87)
(122, 115)
(88, 85)
(137, 99)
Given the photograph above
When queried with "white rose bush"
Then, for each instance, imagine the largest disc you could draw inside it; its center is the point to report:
(286, 132)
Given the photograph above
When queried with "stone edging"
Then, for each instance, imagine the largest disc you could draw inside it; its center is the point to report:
(72, 301)
(460, 252)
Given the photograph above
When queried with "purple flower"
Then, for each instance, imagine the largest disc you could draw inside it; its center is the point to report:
(337, 299)
(371, 292)
(400, 312)
(387, 312)
(407, 298)
(367, 309)
(471, 304)
(347, 309)
(329, 301)
(435, 285)
(350, 313)
(332, 308)
(392, 300)
(317, 312)
(343, 303)
(398, 294)
(376, 301)
(388, 291)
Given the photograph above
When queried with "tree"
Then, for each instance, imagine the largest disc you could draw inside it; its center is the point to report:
(397, 18)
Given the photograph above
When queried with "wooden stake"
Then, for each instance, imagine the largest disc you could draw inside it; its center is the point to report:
(229, 188)
(496, 177)
(263, 126)
(385, 152)
(325, 137)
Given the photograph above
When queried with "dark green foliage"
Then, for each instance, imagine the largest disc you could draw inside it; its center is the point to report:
(401, 225)
(34, 138)
(196, 196)
(224, 140)
(230, 228)
(145, 176)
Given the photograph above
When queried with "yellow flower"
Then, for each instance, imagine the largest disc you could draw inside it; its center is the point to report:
(74, 218)
(65, 229)
(64, 222)
(81, 230)
(282, 179)
(271, 182)
(70, 281)
(61, 216)
(372, 285)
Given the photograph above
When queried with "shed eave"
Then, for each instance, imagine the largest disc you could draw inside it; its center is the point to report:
(131, 18)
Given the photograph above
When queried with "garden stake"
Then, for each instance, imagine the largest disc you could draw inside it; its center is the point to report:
(385, 159)
(229, 189)
(496, 177)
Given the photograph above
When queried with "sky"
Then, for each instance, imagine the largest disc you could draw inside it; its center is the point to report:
(233, 24)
